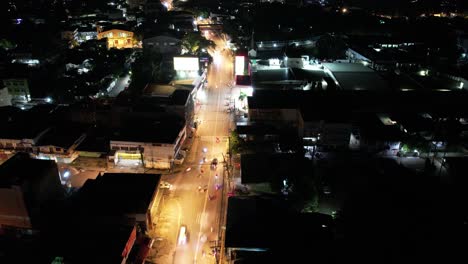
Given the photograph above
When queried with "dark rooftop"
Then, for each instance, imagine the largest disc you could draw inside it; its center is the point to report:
(64, 135)
(266, 224)
(97, 140)
(21, 168)
(162, 130)
(261, 167)
(125, 193)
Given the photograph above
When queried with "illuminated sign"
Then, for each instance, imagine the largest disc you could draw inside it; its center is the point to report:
(186, 64)
(240, 65)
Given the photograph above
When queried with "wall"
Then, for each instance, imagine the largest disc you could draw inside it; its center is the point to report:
(18, 89)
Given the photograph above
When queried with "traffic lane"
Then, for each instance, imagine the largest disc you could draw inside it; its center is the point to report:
(192, 201)
(191, 204)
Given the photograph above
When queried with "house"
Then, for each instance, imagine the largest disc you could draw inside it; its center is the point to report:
(163, 44)
(117, 38)
(26, 185)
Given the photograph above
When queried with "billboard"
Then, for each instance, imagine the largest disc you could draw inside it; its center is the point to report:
(240, 65)
(186, 64)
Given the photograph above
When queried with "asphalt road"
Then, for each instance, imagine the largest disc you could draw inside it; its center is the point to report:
(190, 206)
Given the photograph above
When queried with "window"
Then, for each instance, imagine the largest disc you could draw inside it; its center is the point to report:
(115, 148)
(8, 145)
(58, 149)
(51, 149)
(1, 145)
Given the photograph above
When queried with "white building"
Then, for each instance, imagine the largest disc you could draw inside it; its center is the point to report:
(153, 143)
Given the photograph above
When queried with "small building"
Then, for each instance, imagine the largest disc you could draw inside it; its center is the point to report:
(132, 197)
(268, 227)
(59, 143)
(26, 185)
(117, 38)
(163, 44)
(177, 99)
(18, 88)
(153, 143)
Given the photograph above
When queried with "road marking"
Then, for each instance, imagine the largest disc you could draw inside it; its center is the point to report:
(198, 217)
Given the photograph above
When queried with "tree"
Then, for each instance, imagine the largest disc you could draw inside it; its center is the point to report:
(235, 142)
(194, 42)
(242, 97)
(6, 44)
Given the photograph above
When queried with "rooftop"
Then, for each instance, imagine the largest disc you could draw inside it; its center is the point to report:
(125, 193)
(265, 224)
(355, 76)
(150, 130)
(62, 135)
(261, 167)
(159, 90)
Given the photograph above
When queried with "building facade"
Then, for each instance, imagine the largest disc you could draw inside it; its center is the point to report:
(117, 38)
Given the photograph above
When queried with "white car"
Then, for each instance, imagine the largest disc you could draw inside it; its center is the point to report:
(182, 235)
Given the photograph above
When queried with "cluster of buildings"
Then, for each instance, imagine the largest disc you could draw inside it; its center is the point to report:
(73, 97)
(148, 131)
(334, 138)
(88, 53)
(104, 221)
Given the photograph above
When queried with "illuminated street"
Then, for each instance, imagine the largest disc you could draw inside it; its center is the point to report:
(187, 204)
